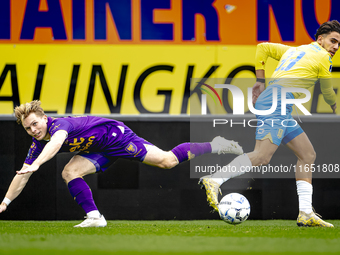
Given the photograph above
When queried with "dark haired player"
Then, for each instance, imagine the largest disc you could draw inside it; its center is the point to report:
(298, 67)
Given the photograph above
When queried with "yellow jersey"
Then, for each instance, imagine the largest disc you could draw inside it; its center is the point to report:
(300, 67)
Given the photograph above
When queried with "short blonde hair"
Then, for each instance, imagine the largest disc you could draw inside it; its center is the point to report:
(21, 112)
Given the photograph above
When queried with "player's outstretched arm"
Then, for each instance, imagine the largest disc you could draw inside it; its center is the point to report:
(49, 151)
(17, 185)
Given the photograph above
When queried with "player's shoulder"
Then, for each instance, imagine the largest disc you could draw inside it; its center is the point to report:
(315, 49)
(317, 52)
(62, 123)
(67, 119)
(52, 121)
(81, 121)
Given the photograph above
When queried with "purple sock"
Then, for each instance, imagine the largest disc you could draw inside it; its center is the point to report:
(81, 192)
(187, 151)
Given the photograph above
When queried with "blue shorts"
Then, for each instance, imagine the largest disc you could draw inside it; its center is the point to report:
(276, 127)
(130, 146)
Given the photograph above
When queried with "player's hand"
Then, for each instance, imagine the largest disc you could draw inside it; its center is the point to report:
(3, 207)
(29, 169)
(258, 88)
(333, 107)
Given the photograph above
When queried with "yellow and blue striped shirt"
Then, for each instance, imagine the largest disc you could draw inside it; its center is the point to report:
(300, 67)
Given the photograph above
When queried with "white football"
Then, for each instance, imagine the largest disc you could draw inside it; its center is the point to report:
(234, 208)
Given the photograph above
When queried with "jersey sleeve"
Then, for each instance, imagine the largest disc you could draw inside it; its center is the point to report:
(33, 152)
(325, 68)
(61, 124)
(265, 50)
(327, 91)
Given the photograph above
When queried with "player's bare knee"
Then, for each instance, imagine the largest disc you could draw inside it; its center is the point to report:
(313, 156)
(67, 174)
(309, 157)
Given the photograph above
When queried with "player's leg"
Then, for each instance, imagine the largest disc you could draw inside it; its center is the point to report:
(262, 154)
(159, 158)
(134, 147)
(77, 167)
(169, 159)
(72, 174)
(303, 149)
(268, 138)
(187, 151)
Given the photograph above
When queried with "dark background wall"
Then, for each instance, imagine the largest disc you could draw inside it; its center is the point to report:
(132, 190)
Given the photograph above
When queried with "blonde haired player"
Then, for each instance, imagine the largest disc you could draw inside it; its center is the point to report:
(99, 142)
(299, 67)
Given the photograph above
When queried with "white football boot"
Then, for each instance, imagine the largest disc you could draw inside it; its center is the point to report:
(92, 222)
(224, 146)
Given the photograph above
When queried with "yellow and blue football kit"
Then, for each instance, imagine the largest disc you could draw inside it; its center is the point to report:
(298, 67)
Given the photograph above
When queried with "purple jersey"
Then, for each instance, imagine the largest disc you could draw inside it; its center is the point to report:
(90, 134)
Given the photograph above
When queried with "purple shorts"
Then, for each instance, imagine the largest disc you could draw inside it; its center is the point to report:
(130, 146)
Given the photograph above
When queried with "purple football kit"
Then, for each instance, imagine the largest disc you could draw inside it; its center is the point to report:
(98, 139)
(102, 141)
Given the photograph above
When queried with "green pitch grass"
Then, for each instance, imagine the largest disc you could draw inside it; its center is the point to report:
(167, 237)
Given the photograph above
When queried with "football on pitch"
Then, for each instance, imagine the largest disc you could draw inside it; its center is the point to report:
(234, 208)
